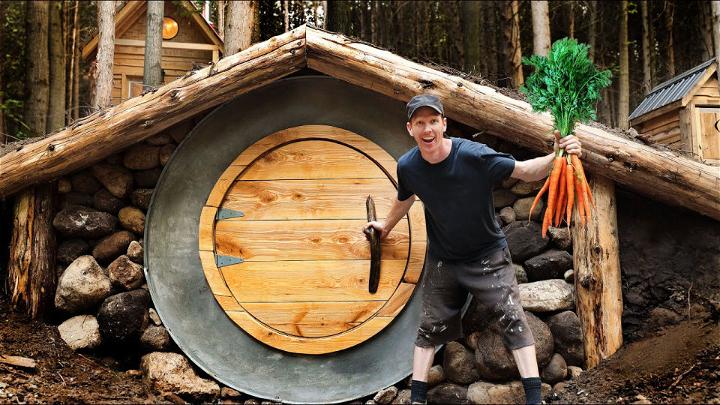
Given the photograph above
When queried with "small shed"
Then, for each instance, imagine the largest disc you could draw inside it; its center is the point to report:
(189, 42)
(684, 113)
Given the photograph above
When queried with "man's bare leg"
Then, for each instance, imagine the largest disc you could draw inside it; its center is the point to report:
(528, 368)
(422, 361)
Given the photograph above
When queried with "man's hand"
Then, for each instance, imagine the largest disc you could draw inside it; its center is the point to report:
(378, 225)
(570, 143)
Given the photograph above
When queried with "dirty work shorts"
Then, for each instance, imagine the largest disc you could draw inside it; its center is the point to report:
(491, 280)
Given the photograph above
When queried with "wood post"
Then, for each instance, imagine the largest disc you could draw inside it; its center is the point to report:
(32, 278)
(597, 274)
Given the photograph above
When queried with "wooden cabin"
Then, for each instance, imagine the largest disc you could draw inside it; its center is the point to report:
(189, 42)
(684, 113)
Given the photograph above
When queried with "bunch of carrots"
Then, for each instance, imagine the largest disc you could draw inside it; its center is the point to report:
(566, 83)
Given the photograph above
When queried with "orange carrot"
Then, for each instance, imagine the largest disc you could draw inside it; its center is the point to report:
(581, 173)
(580, 201)
(552, 194)
(537, 197)
(561, 195)
(570, 182)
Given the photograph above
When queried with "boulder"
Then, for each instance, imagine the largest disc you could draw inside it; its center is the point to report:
(142, 157)
(568, 336)
(495, 362)
(141, 197)
(116, 179)
(569, 276)
(403, 397)
(550, 264)
(659, 317)
(73, 198)
(509, 182)
(82, 286)
(71, 249)
(123, 317)
(125, 274)
(147, 178)
(166, 153)
(64, 185)
(112, 246)
(81, 332)
(154, 317)
(160, 139)
(104, 201)
(436, 375)
(574, 372)
(555, 371)
(84, 182)
(560, 237)
(155, 338)
(132, 219)
(459, 364)
(520, 274)
(507, 215)
(503, 198)
(227, 392)
(512, 393)
(523, 189)
(386, 395)
(547, 296)
(522, 209)
(447, 393)
(524, 240)
(171, 373)
(135, 252)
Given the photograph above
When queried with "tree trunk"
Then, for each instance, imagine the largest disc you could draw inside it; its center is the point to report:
(707, 34)
(286, 14)
(57, 96)
(238, 26)
(471, 35)
(73, 52)
(36, 59)
(2, 82)
(325, 13)
(221, 19)
(152, 70)
(105, 54)
(597, 275)
(490, 40)
(374, 9)
(716, 29)
(623, 109)
(646, 53)
(670, 47)
(592, 29)
(513, 53)
(76, 67)
(571, 19)
(541, 27)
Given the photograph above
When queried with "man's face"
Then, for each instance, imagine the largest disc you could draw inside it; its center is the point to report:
(427, 127)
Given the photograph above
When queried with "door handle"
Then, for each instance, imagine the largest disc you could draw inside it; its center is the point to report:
(374, 237)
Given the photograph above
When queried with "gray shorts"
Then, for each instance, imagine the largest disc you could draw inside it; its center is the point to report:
(491, 280)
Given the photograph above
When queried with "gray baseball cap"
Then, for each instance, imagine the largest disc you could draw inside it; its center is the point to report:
(424, 100)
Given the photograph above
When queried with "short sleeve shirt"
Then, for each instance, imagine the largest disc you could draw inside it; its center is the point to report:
(457, 195)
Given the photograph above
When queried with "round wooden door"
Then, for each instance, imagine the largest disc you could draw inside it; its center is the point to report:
(282, 247)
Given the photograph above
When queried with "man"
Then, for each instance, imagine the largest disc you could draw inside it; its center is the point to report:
(467, 251)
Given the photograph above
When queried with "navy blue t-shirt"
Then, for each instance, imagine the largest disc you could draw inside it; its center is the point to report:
(457, 194)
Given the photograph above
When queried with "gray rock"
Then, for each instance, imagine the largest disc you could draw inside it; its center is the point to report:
(104, 201)
(522, 188)
(116, 179)
(155, 338)
(568, 335)
(550, 264)
(403, 397)
(71, 249)
(123, 317)
(126, 274)
(171, 373)
(386, 395)
(147, 178)
(495, 362)
(509, 182)
(81, 332)
(227, 392)
(560, 237)
(574, 372)
(141, 197)
(512, 393)
(436, 375)
(569, 276)
(82, 286)
(142, 157)
(520, 273)
(547, 296)
(166, 153)
(154, 317)
(65, 185)
(503, 198)
(459, 364)
(522, 209)
(112, 246)
(160, 139)
(659, 317)
(561, 387)
(507, 215)
(73, 198)
(132, 219)
(447, 393)
(524, 240)
(135, 252)
(555, 371)
(84, 182)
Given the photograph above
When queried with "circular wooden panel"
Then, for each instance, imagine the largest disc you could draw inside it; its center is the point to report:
(281, 242)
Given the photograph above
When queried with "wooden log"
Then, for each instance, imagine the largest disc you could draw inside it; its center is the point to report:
(106, 132)
(662, 175)
(18, 361)
(597, 275)
(31, 271)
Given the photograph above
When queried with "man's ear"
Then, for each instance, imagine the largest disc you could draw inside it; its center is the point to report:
(408, 126)
(444, 124)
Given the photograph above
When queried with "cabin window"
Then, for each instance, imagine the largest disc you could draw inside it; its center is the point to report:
(710, 133)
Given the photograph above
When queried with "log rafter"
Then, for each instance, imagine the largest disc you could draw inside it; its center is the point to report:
(662, 175)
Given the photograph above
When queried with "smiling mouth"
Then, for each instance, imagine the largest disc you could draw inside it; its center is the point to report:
(428, 139)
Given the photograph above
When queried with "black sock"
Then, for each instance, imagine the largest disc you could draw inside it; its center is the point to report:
(418, 391)
(532, 390)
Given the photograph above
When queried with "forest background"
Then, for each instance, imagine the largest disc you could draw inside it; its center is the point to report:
(643, 43)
